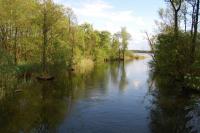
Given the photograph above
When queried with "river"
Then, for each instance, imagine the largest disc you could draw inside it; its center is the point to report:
(112, 98)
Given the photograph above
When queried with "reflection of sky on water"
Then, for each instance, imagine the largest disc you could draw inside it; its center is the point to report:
(138, 73)
(136, 84)
(122, 108)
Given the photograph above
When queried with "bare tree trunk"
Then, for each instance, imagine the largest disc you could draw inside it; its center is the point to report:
(196, 24)
(185, 22)
(194, 39)
(176, 11)
(151, 46)
(175, 22)
(193, 19)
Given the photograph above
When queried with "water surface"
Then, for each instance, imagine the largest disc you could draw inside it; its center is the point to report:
(112, 98)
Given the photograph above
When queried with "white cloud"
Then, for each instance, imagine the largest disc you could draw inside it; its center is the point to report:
(105, 16)
(95, 8)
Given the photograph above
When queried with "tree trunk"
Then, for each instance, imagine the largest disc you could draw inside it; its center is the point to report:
(185, 22)
(45, 30)
(196, 24)
(176, 10)
(15, 47)
(123, 54)
(119, 55)
(193, 50)
(176, 22)
(73, 44)
(193, 20)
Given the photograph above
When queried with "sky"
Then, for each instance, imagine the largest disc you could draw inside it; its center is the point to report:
(136, 15)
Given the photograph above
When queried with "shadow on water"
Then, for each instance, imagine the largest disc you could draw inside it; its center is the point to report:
(111, 98)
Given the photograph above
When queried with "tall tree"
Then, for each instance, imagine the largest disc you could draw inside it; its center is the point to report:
(196, 22)
(72, 20)
(184, 11)
(125, 36)
(116, 46)
(166, 22)
(193, 4)
(176, 6)
(50, 14)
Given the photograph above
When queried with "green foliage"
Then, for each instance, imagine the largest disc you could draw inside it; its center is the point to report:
(176, 53)
(115, 46)
(35, 32)
(6, 63)
(172, 54)
(125, 36)
(192, 81)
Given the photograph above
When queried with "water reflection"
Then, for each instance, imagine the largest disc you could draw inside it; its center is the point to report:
(111, 98)
(39, 108)
(172, 111)
(123, 81)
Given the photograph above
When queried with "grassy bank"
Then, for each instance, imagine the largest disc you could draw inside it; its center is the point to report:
(131, 56)
(84, 66)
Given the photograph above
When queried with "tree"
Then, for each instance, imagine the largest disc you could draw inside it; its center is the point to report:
(193, 4)
(13, 25)
(41, 32)
(125, 36)
(196, 23)
(105, 44)
(151, 41)
(115, 46)
(176, 6)
(184, 11)
(50, 14)
(194, 27)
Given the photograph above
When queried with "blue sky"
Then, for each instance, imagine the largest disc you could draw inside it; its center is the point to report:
(137, 15)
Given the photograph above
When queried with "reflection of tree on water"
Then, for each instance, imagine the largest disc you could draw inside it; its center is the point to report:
(51, 111)
(8, 84)
(118, 74)
(169, 110)
(39, 108)
(114, 71)
(123, 81)
(42, 106)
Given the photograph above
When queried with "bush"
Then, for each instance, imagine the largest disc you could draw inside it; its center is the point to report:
(172, 55)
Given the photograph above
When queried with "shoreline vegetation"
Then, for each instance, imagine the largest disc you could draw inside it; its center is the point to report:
(176, 48)
(37, 36)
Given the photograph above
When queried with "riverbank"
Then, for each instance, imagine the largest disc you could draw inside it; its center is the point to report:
(85, 65)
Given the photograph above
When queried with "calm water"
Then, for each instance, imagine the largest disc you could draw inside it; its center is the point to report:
(112, 98)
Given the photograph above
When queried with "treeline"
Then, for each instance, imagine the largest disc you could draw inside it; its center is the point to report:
(176, 46)
(43, 32)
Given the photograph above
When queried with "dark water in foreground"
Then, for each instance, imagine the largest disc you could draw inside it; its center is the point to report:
(113, 98)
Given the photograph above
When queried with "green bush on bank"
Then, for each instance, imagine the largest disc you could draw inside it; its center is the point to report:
(173, 58)
(172, 54)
